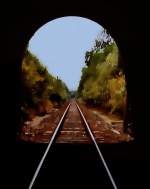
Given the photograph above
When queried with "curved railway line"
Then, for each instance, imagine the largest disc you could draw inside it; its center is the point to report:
(91, 136)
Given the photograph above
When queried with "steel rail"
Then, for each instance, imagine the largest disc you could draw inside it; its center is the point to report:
(48, 147)
(97, 147)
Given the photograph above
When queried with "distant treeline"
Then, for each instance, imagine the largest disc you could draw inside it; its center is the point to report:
(103, 80)
(40, 90)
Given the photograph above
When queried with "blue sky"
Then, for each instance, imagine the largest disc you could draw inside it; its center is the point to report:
(61, 45)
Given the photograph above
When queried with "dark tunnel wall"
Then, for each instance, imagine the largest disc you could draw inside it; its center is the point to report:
(25, 19)
(126, 24)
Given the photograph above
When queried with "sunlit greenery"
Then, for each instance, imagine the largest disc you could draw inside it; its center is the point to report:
(41, 90)
(103, 81)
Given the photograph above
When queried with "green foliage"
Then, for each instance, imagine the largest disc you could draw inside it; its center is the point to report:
(38, 86)
(102, 81)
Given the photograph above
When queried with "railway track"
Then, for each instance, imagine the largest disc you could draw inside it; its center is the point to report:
(90, 135)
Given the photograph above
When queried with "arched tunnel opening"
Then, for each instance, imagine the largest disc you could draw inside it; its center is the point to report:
(74, 56)
(125, 159)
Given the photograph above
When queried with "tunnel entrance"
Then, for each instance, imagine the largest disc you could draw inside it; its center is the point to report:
(73, 57)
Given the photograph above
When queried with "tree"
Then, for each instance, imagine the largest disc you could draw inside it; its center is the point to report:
(38, 86)
(103, 81)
